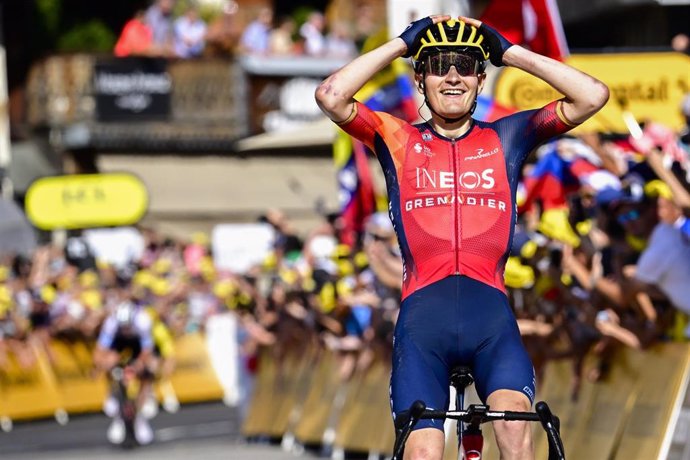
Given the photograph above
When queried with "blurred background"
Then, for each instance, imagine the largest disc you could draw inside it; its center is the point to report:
(168, 183)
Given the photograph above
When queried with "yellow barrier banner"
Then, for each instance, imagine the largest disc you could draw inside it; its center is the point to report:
(280, 389)
(194, 379)
(258, 419)
(293, 373)
(648, 85)
(623, 416)
(86, 200)
(317, 411)
(28, 393)
(365, 423)
(661, 376)
(80, 389)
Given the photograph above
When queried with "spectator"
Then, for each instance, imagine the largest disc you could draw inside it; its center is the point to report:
(339, 43)
(665, 262)
(190, 34)
(681, 43)
(280, 40)
(365, 24)
(136, 38)
(312, 33)
(223, 33)
(255, 37)
(159, 17)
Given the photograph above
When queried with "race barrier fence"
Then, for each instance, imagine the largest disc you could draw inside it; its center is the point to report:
(303, 399)
(69, 384)
(625, 415)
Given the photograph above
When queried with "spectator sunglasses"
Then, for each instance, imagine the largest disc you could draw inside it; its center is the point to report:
(629, 216)
(439, 64)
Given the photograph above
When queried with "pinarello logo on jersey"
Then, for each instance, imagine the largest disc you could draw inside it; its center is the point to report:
(481, 153)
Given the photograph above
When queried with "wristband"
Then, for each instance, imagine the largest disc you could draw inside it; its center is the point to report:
(498, 44)
(413, 34)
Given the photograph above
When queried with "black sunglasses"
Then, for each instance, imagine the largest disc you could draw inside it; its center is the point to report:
(439, 64)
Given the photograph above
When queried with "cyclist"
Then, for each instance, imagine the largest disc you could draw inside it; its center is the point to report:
(126, 340)
(451, 189)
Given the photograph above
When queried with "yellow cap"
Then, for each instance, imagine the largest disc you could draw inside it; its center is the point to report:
(48, 293)
(88, 279)
(657, 188)
(554, 224)
(160, 287)
(517, 275)
(161, 266)
(92, 298)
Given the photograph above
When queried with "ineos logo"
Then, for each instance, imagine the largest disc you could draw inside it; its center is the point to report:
(468, 180)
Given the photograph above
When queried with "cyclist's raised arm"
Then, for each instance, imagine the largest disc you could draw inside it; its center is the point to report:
(584, 94)
(335, 94)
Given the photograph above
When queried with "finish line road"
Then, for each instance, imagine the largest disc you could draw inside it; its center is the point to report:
(200, 431)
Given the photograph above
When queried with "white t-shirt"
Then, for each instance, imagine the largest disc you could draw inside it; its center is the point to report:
(666, 264)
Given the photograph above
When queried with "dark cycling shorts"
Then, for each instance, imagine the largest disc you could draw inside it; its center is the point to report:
(128, 346)
(456, 321)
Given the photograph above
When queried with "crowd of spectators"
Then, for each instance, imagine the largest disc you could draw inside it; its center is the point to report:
(158, 32)
(600, 257)
(598, 263)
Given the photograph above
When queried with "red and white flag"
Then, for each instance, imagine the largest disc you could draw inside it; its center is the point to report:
(532, 23)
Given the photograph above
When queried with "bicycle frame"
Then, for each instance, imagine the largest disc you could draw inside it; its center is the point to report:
(122, 378)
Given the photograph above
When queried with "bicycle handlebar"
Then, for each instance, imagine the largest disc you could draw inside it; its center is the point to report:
(479, 414)
(488, 416)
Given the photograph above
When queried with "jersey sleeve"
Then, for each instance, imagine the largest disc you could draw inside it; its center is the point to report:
(364, 124)
(521, 132)
(107, 334)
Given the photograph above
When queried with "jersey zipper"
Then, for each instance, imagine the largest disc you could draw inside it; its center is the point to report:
(456, 210)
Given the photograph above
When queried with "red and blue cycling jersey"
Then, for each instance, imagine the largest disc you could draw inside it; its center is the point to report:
(452, 201)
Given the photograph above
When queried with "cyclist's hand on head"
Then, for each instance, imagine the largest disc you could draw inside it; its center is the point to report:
(414, 31)
(498, 44)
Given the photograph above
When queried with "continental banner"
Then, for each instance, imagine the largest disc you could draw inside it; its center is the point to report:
(648, 85)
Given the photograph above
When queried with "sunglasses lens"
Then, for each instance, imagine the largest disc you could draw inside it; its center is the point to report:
(628, 216)
(440, 64)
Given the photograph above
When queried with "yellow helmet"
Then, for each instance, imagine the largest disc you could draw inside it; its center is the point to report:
(452, 35)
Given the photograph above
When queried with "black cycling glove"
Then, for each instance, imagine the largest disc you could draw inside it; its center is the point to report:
(413, 34)
(497, 44)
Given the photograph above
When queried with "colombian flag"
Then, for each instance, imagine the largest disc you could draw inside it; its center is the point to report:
(554, 177)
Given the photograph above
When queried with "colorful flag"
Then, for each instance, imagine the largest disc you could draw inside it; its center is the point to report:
(356, 195)
(532, 23)
(391, 90)
(489, 110)
(554, 177)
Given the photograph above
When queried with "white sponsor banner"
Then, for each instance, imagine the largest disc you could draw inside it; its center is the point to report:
(238, 247)
(116, 246)
(223, 351)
